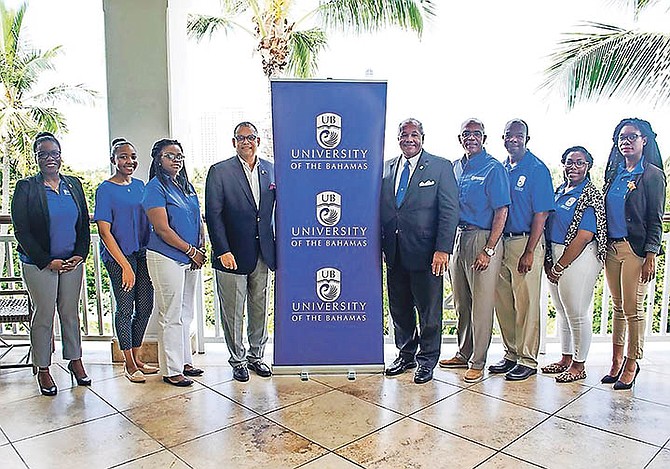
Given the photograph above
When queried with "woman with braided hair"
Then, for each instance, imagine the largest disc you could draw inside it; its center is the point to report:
(635, 200)
(175, 254)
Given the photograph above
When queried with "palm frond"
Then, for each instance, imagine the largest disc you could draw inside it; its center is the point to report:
(305, 47)
(373, 15)
(74, 94)
(201, 26)
(607, 61)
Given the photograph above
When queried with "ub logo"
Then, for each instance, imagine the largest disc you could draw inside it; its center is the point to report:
(328, 130)
(570, 201)
(328, 208)
(328, 284)
(521, 181)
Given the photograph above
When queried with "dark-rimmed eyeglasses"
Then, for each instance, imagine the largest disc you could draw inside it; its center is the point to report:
(576, 164)
(173, 156)
(472, 133)
(251, 138)
(630, 137)
(43, 155)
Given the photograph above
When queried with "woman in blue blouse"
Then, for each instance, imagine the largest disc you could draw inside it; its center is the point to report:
(635, 200)
(175, 255)
(51, 225)
(124, 232)
(577, 236)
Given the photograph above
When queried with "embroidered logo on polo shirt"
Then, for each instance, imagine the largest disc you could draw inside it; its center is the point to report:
(570, 201)
(521, 181)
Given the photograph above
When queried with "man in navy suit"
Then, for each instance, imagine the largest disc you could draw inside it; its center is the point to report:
(419, 215)
(239, 205)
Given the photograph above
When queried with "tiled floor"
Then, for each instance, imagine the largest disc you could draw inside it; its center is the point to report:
(331, 422)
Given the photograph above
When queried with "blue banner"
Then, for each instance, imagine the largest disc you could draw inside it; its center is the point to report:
(328, 150)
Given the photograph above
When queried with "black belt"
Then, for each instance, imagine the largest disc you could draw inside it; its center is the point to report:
(469, 227)
(512, 235)
(617, 240)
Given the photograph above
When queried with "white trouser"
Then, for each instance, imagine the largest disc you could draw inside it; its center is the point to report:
(573, 299)
(174, 286)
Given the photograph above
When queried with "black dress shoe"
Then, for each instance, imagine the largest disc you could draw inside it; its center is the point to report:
(503, 366)
(399, 366)
(423, 374)
(240, 373)
(191, 371)
(260, 368)
(182, 383)
(519, 373)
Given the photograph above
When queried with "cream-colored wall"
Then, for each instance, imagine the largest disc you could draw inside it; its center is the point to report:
(136, 47)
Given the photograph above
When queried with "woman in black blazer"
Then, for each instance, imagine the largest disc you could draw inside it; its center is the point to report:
(635, 200)
(51, 225)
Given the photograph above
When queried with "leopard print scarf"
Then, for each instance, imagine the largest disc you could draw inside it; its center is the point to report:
(591, 197)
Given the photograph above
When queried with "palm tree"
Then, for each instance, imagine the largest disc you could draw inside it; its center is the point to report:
(603, 61)
(25, 107)
(286, 48)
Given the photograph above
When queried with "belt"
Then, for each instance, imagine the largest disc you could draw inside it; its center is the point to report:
(468, 227)
(516, 234)
(617, 240)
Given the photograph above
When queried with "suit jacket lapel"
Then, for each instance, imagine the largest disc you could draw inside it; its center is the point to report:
(264, 178)
(390, 185)
(244, 182)
(417, 176)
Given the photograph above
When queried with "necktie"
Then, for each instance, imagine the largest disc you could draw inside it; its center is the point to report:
(402, 186)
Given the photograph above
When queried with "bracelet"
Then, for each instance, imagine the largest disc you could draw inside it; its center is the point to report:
(556, 273)
(188, 251)
(562, 266)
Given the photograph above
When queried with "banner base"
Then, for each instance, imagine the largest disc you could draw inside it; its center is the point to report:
(306, 370)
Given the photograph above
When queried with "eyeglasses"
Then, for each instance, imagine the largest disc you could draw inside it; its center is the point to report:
(43, 155)
(468, 133)
(576, 164)
(173, 157)
(251, 138)
(630, 137)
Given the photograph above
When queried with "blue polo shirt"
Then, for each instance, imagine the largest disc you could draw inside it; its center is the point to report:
(483, 187)
(121, 207)
(183, 213)
(531, 191)
(63, 215)
(615, 199)
(560, 219)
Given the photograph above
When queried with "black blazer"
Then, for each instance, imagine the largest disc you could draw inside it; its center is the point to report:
(644, 208)
(426, 220)
(233, 222)
(30, 217)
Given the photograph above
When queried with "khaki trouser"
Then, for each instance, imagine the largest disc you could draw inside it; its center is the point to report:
(622, 270)
(474, 296)
(518, 302)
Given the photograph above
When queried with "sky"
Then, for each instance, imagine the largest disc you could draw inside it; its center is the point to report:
(481, 58)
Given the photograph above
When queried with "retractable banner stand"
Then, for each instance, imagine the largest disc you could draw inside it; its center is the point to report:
(328, 149)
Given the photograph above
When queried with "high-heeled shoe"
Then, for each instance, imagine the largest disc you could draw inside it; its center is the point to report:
(619, 385)
(609, 379)
(81, 380)
(46, 390)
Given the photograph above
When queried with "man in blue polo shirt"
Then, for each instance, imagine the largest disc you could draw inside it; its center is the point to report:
(518, 291)
(483, 199)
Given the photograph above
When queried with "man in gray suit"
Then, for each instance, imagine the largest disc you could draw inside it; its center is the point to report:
(239, 205)
(419, 214)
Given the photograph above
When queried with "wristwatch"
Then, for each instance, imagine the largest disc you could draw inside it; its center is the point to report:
(489, 251)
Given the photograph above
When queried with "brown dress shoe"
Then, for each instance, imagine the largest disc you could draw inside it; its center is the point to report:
(454, 362)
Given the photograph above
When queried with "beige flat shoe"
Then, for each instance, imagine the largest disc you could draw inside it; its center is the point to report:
(136, 377)
(148, 369)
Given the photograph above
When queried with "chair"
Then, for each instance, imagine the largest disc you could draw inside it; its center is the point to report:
(15, 308)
